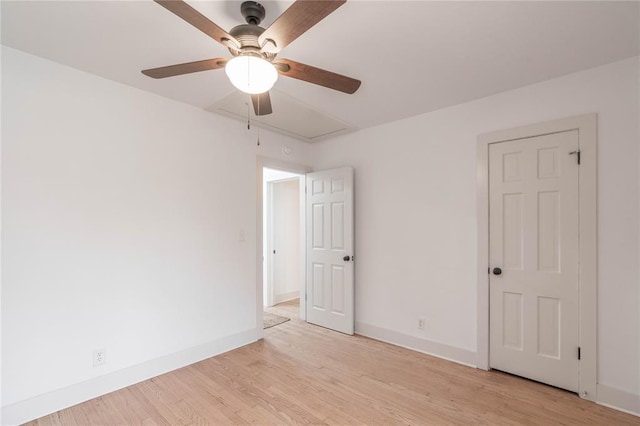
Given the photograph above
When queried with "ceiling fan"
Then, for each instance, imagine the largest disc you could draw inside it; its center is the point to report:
(254, 68)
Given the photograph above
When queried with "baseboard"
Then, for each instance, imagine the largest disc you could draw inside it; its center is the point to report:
(33, 408)
(429, 347)
(618, 400)
(285, 297)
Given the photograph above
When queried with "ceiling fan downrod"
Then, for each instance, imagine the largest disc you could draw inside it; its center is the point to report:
(252, 12)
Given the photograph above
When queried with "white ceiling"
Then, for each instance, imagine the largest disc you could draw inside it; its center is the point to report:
(412, 56)
(293, 118)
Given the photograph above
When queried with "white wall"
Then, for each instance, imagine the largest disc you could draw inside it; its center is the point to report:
(121, 230)
(286, 240)
(416, 213)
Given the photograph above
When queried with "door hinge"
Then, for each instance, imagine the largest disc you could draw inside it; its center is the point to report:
(579, 354)
(577, 152)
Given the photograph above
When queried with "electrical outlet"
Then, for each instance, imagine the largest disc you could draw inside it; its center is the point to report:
(99, 357)
(421, 323)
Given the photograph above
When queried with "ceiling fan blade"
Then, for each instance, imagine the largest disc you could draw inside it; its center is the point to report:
(198, 20)
(186, 68)
(298, 18)
(261, 104)
(314, 75)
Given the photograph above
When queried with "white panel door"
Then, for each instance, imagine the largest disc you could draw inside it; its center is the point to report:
(533, 225)
(330, 288)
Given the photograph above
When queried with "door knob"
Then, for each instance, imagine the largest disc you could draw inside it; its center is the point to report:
(497, 271)
(346, 258)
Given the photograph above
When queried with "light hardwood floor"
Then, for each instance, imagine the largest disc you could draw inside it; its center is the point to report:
(305, 374)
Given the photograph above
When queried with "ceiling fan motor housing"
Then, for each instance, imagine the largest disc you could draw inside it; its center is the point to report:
(247, 35)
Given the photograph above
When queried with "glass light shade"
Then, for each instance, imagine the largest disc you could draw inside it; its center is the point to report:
(251, 74)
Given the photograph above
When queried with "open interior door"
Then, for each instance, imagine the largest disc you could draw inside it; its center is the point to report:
(330, 287)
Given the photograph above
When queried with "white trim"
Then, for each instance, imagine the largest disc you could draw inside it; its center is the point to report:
(429, 347)
(287, 179)
(285, 297)
(302, 294)
(586, 126)
(482, 297)
(42, 405)
(271, 163)
(619, 400)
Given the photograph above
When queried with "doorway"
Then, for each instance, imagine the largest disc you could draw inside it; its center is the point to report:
(515, 316)
(326, 231)
(283, 243)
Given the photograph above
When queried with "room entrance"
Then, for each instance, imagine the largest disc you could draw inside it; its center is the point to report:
(306, 244)
(283, 230)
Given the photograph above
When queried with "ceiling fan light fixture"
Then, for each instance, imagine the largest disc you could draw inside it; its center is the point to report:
(251, 74)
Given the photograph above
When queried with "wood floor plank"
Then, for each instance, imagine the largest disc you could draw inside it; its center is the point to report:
(128, 408)
(151, 414)
(203, 402)
(64, 417)
(302, 374)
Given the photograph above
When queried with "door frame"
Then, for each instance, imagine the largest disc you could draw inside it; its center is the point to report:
(272, 163)
(586, 125)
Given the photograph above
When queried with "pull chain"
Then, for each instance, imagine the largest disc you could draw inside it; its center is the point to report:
(258, 113)
(248, 117)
